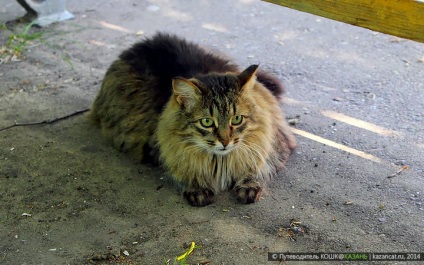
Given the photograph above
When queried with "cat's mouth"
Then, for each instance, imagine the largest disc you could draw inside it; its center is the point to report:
(223, 150)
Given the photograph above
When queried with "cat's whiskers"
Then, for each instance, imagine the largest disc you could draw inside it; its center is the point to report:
(258, 160)
(253, 148)
(246, 158)
(253, 156)
(271, 167)
(269, 164)
(194, 149)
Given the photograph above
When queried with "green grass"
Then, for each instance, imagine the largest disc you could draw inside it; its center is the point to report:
(16, 43)
(27, 37)
(68, 60)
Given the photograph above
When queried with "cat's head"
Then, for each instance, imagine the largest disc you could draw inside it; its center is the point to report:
(216, 110)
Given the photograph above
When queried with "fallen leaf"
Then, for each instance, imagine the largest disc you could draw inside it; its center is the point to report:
(188, 252)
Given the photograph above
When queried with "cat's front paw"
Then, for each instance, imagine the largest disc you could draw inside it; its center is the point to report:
(249, 192)
(199, 197)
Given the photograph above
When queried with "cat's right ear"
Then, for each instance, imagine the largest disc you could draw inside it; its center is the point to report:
(186, 93)
(247, 78)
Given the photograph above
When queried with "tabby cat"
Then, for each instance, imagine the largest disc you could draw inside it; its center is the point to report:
(213, 127)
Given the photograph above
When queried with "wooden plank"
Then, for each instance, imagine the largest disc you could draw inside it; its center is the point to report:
(402, 18)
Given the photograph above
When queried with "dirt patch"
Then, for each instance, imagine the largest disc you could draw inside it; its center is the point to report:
(68, 197)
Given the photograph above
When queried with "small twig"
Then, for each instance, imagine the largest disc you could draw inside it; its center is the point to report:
(50, 121)
(248, 245)
(398, 172)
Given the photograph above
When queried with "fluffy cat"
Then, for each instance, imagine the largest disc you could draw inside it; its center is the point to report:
(212, 126)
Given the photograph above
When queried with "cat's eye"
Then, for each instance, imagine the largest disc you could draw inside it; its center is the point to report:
(206, 122)
(237, 120)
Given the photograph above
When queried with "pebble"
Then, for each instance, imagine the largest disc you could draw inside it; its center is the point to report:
(382, 219)
(153, 8)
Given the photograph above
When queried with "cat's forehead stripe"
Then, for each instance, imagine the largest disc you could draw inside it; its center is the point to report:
(222, 105)
(211, 110)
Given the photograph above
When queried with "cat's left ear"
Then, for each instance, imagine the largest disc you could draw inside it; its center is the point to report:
(247, 78)
(186, 93)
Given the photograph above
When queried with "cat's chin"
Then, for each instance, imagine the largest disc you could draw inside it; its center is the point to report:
(222, 152)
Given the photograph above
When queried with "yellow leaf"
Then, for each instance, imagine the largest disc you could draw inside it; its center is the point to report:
(188, 252)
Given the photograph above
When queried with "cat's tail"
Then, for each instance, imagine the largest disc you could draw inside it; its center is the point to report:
(271, 82)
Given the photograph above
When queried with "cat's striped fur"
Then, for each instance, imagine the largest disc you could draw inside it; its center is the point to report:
(212, 126)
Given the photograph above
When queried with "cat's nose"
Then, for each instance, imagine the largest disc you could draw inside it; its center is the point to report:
(225, 142)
